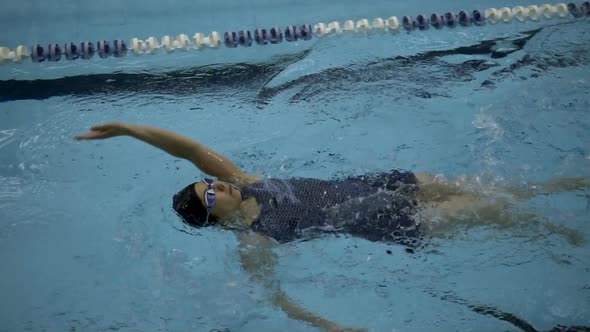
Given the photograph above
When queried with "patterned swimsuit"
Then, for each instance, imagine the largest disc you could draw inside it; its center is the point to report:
(377, 207)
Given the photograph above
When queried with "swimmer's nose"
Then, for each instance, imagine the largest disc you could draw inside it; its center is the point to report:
(219, 186)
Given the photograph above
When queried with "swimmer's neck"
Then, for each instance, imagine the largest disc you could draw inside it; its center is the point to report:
(249, 210)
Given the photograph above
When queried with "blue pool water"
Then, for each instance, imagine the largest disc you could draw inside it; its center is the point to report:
(88, 238)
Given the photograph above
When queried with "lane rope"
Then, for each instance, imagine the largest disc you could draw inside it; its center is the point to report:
(245, 38)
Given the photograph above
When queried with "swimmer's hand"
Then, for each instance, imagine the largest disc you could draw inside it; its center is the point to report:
(107, 130)
(352, 330)
(333, 327)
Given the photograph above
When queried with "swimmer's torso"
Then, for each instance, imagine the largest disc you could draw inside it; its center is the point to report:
(378, 207)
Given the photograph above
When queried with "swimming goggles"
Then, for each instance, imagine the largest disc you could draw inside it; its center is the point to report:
(209, 197)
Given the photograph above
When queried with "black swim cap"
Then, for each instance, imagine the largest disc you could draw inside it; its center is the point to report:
(189, 207)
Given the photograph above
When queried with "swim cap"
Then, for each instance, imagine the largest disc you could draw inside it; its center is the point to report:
(189, 207)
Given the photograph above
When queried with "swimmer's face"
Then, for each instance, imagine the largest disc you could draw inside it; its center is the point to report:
(227, 198)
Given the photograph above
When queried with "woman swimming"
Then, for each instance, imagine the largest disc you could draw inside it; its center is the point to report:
(394, 206)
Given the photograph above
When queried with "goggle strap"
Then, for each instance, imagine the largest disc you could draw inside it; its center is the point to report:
(207, 218)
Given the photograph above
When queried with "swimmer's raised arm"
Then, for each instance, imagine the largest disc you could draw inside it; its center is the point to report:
(207, 160)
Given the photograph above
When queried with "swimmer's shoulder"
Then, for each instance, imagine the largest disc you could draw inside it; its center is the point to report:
(250, 179)
(242, 180)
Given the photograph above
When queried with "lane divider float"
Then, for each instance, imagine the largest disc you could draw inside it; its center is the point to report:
(245, 38)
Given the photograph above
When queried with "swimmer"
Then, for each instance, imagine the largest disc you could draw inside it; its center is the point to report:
(394, 206)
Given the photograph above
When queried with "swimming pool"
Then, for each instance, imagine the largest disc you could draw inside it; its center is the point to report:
(89, 241)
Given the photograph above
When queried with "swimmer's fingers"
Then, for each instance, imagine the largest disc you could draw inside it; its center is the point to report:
(94, 134)
(337, 328)
(103, 131)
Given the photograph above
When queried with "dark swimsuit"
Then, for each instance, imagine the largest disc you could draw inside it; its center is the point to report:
(377, 207)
